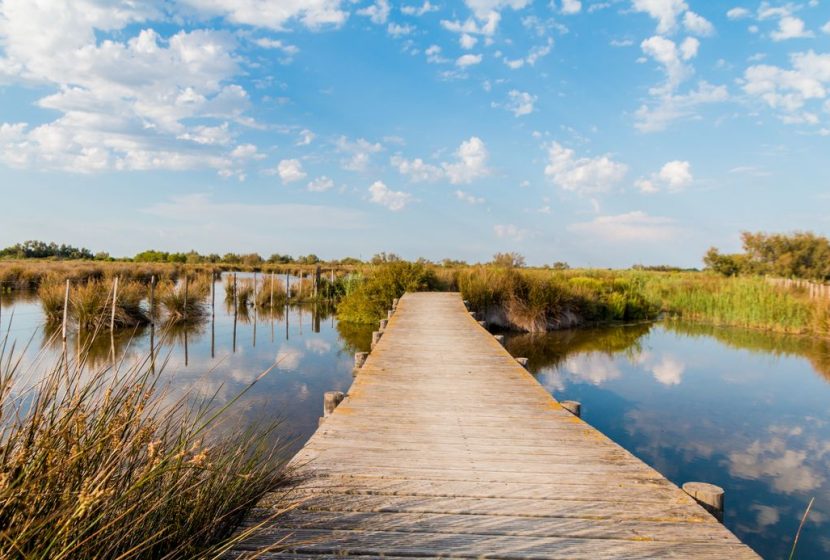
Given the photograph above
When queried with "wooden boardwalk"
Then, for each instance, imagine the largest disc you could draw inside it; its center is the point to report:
(446, 447)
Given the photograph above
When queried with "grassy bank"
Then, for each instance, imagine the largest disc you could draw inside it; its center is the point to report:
(28, 274)
(101, 464)
(534, 300)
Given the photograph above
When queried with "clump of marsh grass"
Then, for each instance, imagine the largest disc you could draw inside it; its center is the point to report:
(184, 301)
(102, 464)
(270, 294)
(91, 305)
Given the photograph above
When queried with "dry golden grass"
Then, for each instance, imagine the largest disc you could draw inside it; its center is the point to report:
(101, 464)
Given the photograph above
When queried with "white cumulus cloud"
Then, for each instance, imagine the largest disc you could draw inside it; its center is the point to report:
(673, 176)
(471, 162)
(466, 60)
(290, 170)
(379, 193)
(582, 175)
(320, 184)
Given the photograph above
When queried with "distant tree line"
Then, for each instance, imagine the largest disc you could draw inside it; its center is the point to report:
(796, 255)
(42, 250)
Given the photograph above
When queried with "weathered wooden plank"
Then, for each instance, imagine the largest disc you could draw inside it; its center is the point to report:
(446, 447)
(484, 546)
(500, 525)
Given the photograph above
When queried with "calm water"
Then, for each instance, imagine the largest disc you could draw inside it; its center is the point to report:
(745, 410)
(312, 352)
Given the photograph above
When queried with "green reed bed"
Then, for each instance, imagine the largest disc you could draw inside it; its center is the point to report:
(103, 464)
(739, 301)
(370, 292)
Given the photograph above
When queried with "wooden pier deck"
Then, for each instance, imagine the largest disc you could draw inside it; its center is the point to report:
(446, 447)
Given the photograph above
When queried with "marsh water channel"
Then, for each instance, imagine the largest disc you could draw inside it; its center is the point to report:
(746, 410)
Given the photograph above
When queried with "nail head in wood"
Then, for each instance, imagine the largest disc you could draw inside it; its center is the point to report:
(330, 401)
(707, 495)
(574, 407)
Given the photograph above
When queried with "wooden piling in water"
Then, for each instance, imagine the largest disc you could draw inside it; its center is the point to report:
(383, 323)
(330, 401)
(499, 338)
(574, 407)
(376, 338)
(359, 360)
(709, 496)
(522, 362)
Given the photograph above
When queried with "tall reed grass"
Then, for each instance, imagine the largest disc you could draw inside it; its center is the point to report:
(103, 464)
(91, 303)
(184, 301)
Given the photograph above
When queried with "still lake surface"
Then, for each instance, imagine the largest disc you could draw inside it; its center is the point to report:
(746, 410)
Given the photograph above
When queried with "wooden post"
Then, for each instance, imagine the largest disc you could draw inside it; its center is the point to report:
(287, 288)
(482, 324)
(383, 323)
(389, 313)
(395, 303)
(360, 359)
(235, 311)
(330, 401)
(376, 338)
(499, 338)
(184, 311)
(316, 281)
(466, 304)
(574, 407)
(152, 300)
(707, 495)
(522, 362)
(212, 294)
(272, 290)
(255, 298)
(331, 286)
(114, 300)
(65, 310)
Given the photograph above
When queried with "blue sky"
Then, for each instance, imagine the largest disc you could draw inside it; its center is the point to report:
(602, 133)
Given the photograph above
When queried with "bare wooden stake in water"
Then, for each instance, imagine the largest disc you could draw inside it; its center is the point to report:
(235, 311)
(114, 300)
(272, 291)
(65, 311)
(152, 324)
(184, 311)
(287, 287)
(213, 313)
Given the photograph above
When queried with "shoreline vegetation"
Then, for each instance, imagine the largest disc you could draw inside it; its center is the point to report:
(100, 462)
(778, 283)
(534, 300)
